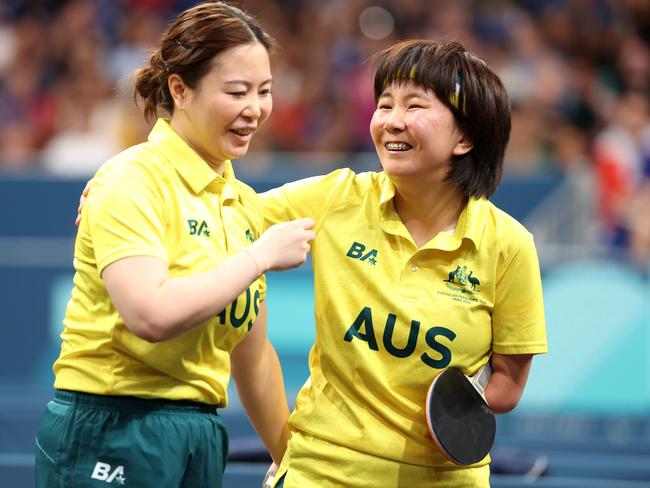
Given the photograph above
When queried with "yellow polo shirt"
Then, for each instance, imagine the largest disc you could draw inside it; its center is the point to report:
(390, 317)
(160, 199)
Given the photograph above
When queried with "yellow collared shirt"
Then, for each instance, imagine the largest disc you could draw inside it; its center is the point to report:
(390, 316)
(159, 199)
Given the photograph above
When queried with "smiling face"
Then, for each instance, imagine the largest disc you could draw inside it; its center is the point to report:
(218, 117)
(414, 133)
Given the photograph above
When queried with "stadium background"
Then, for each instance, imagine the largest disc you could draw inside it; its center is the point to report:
(577, 174)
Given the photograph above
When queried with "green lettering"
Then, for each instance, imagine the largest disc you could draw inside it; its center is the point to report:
(192, 224)
(238, 321)
(371, 254)
(356, 250)
(256, 307)
(445, 353)
(222, 316)
(365, 317)
(203, 230)
(410, 344)
(256, 301)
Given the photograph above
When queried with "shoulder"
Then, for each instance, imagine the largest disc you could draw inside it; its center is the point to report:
(139, 175)
(136, 164)
(342, 178)
(506, 231)
(345, 183)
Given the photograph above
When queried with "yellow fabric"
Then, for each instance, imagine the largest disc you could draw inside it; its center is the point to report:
(390, 316)
(311, 462)
(158, 199)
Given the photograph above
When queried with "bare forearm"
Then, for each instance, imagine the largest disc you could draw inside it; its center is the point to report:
(499, 394)
(180, 304)
(508, 380)
(157, 307)
(260, 388)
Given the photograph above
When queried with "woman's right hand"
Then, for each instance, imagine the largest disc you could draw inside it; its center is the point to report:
(283, 246)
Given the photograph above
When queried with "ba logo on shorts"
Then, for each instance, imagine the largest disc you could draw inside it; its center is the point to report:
(104, 472)
(198, 228)
(358, 251)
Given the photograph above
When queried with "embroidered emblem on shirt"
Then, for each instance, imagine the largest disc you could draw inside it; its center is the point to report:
(464, 285)
(460, 276)
(358, 251)
(249, 236)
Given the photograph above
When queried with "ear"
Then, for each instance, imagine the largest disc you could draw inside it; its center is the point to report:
(180, 92)
(463, 146)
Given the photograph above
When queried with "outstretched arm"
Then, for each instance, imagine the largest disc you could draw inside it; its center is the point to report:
(260, 387)
(157, 307)
(509, 376)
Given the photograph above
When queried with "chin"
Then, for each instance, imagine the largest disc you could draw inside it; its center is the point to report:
(237, 152)
(395, 167)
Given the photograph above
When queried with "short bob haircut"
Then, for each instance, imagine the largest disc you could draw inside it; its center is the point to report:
(473, 93)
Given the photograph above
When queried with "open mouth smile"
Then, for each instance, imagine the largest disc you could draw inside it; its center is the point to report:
(243, 132)
(398, 146)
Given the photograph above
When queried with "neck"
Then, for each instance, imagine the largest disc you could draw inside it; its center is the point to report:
(180, 129)
(427, 210)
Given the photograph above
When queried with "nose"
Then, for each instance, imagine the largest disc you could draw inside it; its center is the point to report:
(253, 110)
(395, 121)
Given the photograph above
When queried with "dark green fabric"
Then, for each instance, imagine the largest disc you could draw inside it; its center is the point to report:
(96, 441)
(280, 484)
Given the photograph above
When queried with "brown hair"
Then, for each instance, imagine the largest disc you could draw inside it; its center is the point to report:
(188, 47)
(473, 93)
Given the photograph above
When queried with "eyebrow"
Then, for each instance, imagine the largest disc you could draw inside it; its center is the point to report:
(246, 83)
(409, 95)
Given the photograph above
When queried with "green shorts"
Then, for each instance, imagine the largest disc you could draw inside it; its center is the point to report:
(89, 440)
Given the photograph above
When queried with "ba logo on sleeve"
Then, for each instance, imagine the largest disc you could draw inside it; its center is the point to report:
(359, 251)
(105, 472)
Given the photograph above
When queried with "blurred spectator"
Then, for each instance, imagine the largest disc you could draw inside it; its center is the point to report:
(569, 66)
(26, 118)
(639, 226)
(557, 66)
(622, 160)
(17, 145)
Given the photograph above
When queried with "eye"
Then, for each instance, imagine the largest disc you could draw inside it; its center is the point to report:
(415, 106)
(238, 94)
(265, 92)
(383, 106)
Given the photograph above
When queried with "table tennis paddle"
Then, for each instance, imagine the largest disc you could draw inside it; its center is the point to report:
(460, 421)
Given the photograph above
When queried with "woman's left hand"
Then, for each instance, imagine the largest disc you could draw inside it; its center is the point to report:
(82, 200)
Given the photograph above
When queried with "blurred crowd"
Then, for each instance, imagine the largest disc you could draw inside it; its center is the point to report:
(577, 71)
